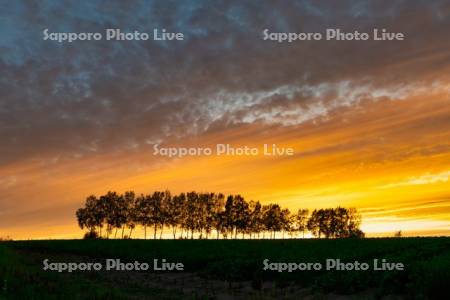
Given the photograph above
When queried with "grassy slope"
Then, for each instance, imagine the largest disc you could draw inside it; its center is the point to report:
(427, 262)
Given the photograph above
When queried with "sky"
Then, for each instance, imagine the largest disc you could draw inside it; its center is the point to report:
(369, 121)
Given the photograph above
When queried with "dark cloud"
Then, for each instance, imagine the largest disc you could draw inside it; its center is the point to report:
(105, 96)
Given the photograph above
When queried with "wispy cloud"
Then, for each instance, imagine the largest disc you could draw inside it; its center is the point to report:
(56, 99)
(8, 181)
(420, 180)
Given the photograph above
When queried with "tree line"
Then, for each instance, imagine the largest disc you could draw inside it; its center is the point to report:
(207, 215)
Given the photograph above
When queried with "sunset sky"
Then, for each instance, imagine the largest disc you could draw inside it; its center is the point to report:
(369, 120)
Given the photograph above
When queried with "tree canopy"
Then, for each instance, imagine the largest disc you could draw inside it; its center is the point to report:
(200, 215)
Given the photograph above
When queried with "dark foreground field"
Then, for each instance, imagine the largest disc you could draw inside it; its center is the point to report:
(227, 269)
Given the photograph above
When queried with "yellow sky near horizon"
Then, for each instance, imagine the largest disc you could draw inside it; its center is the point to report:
(388, 158)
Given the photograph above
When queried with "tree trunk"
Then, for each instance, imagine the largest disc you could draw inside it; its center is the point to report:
(115, 233)
(174, 231)
(123, 229)
(145, 232)
(154, 232)
(131, 231)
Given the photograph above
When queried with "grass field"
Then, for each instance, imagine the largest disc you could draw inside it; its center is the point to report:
(227, 269)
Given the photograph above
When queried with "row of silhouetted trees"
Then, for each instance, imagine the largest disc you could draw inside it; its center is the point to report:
(208, 214)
